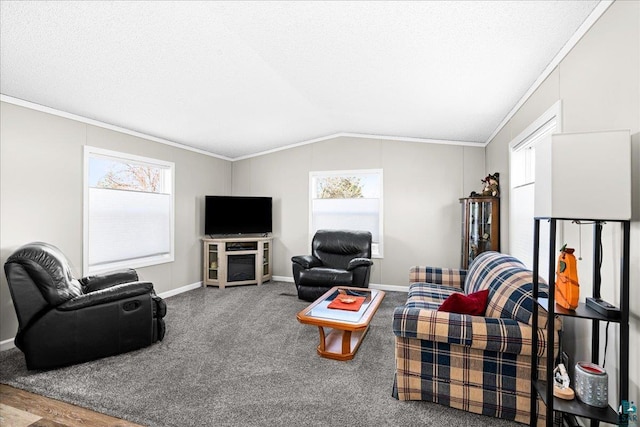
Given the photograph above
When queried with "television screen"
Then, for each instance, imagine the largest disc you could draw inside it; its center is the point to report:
(237, 215)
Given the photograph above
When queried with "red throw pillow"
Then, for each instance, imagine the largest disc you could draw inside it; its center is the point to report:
(475, 303)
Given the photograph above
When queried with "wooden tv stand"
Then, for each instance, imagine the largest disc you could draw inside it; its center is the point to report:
(236, 261)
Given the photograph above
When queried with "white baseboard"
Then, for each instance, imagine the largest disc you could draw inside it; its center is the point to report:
(180, 290)
(377, 286)
(7, 344)
(390, 288)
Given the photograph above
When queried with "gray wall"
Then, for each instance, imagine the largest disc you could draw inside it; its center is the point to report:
(41, 170)
(422, 184)
(599, 85)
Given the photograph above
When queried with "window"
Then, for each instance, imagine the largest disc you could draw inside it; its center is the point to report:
(522, 198)
(348, 200)
(128, 211)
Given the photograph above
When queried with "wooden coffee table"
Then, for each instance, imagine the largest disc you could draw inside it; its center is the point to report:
(345, 329)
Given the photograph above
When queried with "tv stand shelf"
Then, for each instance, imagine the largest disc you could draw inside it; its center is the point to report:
(236, 261)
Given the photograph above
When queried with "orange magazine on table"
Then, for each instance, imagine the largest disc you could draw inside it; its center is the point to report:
(347, 302)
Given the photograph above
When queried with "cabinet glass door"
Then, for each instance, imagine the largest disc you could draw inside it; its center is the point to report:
(213, 262)
(265, 259)
(479, 228)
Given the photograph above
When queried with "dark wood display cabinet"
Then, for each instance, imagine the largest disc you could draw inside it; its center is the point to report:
(544, 386)
(480, 227)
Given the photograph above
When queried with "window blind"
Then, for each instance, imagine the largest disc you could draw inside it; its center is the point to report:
(351, 214)
(127, 225)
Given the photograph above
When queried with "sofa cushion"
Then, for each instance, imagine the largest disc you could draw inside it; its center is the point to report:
(511, 296)
(443, 276)
(487, 269)
(428, 295)
(474, 304)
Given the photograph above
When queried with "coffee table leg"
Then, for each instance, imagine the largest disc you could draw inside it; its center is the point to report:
(321, 346)
(346, 342)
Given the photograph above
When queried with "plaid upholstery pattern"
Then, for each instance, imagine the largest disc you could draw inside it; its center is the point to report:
(482, 333)
(430, 296)
(481, 364)
(486, 268)
(438, 276)
(511, 295)
(484, 382)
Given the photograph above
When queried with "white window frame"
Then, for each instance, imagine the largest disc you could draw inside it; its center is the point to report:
(169, 184)
(377, 250)
(543, 127)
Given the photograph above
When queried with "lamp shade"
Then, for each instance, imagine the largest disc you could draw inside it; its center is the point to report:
(584, 176)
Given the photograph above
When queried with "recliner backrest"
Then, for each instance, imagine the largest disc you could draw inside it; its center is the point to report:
(27, 298)
(49, 269)
(335, 248)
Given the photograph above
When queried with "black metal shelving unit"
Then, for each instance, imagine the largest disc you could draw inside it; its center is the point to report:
(544, 387)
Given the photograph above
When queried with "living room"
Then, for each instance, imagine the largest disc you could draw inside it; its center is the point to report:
(597, 83)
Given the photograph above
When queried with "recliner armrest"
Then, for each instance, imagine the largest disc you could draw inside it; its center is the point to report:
(107, 280)
(307, 261)
(359, 262)
(103, 296)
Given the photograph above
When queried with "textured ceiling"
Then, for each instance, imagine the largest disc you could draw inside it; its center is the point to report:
(239, 78)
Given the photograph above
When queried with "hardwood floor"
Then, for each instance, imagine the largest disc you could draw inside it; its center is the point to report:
(19, 408)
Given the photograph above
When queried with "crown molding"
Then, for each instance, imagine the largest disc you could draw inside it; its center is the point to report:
(64, 114)
(364, 136)
(42, 108)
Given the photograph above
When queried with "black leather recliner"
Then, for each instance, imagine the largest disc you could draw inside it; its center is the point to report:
(63, 321)
(338, 258)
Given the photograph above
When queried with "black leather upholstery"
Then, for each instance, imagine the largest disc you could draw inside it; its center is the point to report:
(62, 320)
(338, 258)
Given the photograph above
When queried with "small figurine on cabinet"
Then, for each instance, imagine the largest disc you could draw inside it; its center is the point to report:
(491, 186)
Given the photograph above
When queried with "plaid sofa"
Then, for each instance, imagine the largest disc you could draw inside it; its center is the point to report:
(480, 364)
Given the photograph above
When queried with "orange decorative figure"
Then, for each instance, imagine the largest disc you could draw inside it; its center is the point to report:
(567, 286)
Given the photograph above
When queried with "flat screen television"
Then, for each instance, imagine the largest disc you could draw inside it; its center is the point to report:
(237, 215)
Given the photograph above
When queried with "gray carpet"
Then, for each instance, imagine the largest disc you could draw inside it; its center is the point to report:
(239, 357)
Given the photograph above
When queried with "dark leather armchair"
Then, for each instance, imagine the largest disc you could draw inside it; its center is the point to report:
(338, 258)
(63, 321)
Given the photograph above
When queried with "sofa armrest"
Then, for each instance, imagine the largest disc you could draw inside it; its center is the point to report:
(359, 262)
(439, 276)
(103, 281)
(483, 333)
(103, 296)
(306, 261)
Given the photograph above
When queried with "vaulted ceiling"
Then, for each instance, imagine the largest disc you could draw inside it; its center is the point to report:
(239, 78)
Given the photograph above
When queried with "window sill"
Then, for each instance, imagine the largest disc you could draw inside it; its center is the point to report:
(130, 263)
